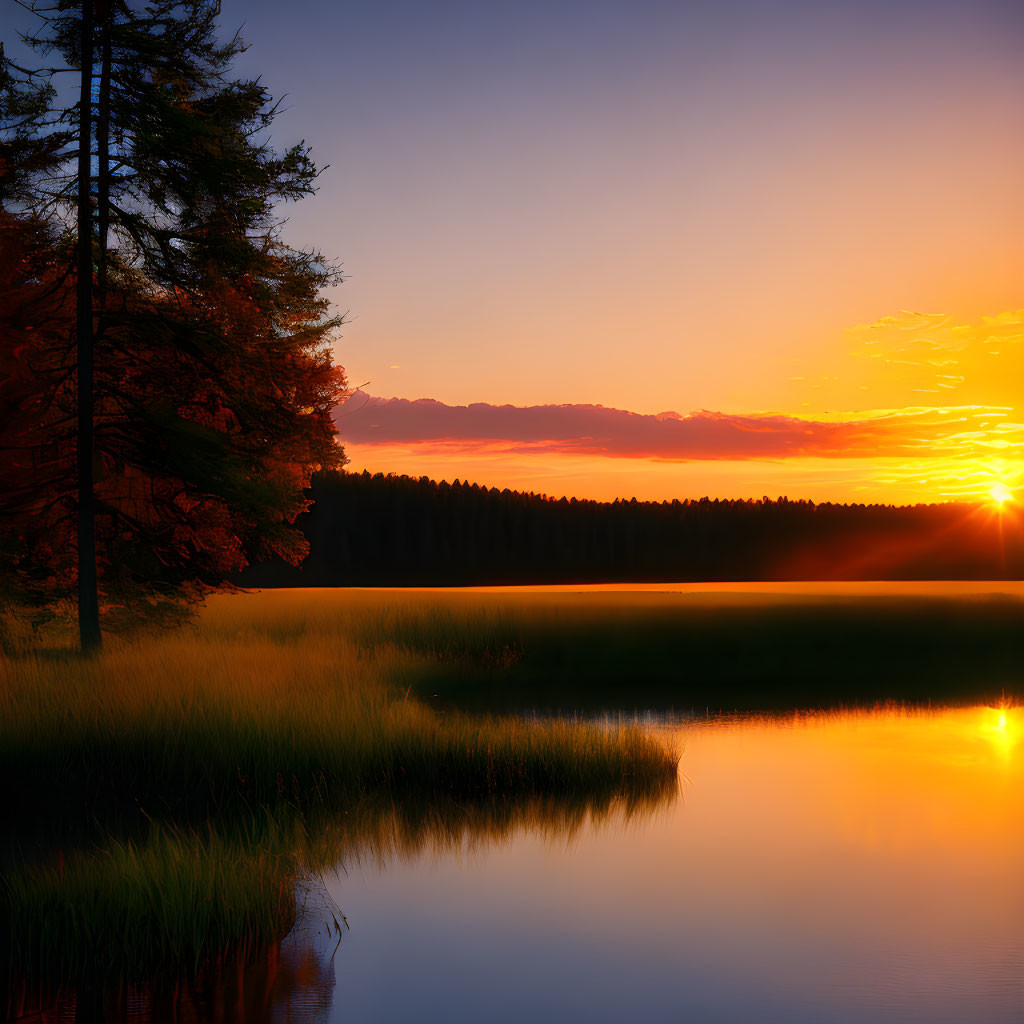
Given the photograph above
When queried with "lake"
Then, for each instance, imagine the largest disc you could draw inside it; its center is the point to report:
(827, 867)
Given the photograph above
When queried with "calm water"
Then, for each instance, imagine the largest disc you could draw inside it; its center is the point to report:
(863, 866)
(853, 867)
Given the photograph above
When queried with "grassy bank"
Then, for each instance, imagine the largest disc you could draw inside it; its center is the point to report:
(166, 798)
(293, 696)
(262, 703)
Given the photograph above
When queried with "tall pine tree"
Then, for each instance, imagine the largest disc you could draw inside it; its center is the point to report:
(209, 337)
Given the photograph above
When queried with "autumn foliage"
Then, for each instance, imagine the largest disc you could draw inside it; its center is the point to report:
(211, 338)
(210, 420)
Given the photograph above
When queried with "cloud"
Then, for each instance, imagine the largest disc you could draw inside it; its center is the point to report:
(931, 354)
(670, 436)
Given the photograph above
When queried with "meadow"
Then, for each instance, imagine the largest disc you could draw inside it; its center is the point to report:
(295, 697)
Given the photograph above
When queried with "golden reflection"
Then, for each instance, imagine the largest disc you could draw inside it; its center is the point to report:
(1001, 726)
(899, 784)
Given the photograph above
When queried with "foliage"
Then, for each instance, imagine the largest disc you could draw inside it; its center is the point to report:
(214, 379)
(26, 152)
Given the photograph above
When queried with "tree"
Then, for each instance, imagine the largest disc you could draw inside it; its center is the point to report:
(210, 339)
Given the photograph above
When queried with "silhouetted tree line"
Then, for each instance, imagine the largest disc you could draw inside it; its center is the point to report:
(384, 530)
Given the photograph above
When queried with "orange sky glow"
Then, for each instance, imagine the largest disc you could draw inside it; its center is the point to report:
(949, 430)
(797, 209)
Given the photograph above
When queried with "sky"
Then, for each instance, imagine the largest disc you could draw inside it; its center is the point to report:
(742, 211)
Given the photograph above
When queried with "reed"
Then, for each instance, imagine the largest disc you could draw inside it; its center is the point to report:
(729, 651)
(201, 774)
(137, 908)
(175, 900)
(259, 707)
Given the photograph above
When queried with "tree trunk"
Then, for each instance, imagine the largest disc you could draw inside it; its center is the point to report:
(103, 158)
(88, 598)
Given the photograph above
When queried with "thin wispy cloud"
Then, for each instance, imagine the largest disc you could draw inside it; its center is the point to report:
(932, 357)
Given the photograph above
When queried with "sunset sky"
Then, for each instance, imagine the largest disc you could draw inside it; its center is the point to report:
(753, 211)
(758, 209)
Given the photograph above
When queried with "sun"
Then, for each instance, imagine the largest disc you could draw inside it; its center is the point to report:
(1000, 493)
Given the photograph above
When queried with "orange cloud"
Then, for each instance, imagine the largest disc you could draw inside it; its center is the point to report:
(915, 433)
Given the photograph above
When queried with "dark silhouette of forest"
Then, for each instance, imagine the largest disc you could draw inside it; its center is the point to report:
(385, 530)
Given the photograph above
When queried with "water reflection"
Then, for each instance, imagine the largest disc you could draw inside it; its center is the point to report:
(825, 867)
(1003, 728)
(59, 976)
(292, 980)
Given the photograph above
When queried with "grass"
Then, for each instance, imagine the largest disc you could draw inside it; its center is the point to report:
(261, 703)
(691, 651)
(205, 772)
(323, 695)
(174, 898)
(179, 899)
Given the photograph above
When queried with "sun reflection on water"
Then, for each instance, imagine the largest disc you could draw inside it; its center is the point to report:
(1001, 726)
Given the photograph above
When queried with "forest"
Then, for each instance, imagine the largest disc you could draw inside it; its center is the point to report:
(389, 530)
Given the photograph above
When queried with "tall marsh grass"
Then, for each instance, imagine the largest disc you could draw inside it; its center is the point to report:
(228, 890)
(730, 651)
(165, 798)
(265, 699)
